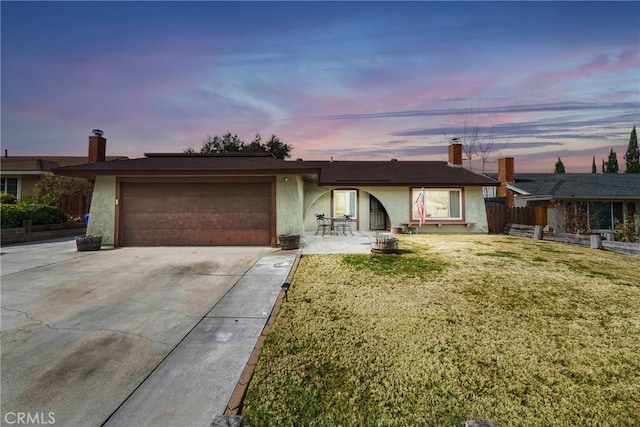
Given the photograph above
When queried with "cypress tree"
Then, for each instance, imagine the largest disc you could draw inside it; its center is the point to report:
(612, 162)
(593, 166)
(632, 155)
(559, 166)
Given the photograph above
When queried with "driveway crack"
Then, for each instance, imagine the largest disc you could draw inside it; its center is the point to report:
(63, 328)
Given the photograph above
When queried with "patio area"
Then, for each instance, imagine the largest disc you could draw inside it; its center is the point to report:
(359, 243)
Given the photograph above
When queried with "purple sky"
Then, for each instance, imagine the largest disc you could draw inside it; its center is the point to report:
(355, 81)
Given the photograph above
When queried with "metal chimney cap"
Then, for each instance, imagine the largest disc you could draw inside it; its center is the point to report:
(97, 132)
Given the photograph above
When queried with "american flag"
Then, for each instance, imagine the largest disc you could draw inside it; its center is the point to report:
(420, 205)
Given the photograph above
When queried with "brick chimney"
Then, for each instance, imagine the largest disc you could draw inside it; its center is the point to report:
(455, 154)
(97, 147)
(506, 175)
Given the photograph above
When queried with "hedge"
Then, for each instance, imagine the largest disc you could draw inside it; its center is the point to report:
(13, 215)
(8, 198)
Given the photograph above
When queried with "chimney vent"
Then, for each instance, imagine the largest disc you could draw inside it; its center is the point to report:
(97, 132)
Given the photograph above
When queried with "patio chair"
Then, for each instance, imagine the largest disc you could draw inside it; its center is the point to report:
(324, 224)
(346, 225)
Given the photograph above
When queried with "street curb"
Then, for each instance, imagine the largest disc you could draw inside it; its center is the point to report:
(234, 407)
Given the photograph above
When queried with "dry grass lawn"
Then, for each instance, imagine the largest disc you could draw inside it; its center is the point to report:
(520, 332)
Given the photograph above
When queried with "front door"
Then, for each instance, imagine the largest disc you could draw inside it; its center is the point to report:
(377, 215)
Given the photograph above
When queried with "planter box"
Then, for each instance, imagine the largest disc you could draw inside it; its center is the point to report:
(88, 243)
(384, 244)
(289, 241)
(29, 232)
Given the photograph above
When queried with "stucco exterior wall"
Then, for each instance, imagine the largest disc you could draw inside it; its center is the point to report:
(289, 205)
(397, 203)
(27, 182)
(103, 209)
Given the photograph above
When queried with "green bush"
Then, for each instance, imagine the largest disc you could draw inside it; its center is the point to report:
(13, 215)
(29, 199)
(9, 199)
(41, 214)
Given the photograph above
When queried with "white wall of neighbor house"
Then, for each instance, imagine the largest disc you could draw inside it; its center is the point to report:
(289, 205)
(102, 213)
(397, 203)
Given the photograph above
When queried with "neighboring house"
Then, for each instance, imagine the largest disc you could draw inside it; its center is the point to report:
(19, 174)
(604, 197)
(250, 199)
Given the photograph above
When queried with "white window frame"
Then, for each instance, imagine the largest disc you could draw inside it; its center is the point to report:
(3, 185)
(335, 212)
(430, 214)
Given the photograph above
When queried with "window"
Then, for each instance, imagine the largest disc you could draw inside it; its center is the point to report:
(9, 185)
(438, 204)
(344, 203)
(602, 215)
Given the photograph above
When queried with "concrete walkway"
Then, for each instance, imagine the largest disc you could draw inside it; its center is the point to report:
(358, 243)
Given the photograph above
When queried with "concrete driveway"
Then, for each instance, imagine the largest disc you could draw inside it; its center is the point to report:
(136, 336)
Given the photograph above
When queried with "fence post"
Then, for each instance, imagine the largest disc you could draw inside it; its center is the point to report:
(537, 232)
(27, 224)
(596, 241)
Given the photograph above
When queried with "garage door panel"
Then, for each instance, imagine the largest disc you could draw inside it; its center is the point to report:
(199, 213)
(196, 237)
(214, 221)
(186, 205)
(196, 189)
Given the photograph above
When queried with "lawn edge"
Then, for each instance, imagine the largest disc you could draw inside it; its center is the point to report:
(234, 406)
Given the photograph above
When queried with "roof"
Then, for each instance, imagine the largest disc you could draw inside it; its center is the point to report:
(396, 172)
(329, 173)
(18, 164)
(579, 186)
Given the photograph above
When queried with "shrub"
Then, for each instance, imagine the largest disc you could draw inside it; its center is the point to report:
(626, 231)
(41, 214)
(29, 199)
(9, 199)
(12, 215)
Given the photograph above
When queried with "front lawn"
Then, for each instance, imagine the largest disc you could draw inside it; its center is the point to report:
(516, 331)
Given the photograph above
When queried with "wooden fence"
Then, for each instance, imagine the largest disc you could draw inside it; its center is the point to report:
(75, 205)
(527, 231)
(499, 215)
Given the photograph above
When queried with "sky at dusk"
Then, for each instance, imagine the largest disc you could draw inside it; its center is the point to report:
(348, 80)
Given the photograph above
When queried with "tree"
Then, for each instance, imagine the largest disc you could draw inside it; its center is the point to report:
(612, 163)
(51, 188)
(593, 166)
(559, 166)
(229, 143)
(476, 140)
(632, 156)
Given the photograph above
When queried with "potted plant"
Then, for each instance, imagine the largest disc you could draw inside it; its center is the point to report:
(88, 243)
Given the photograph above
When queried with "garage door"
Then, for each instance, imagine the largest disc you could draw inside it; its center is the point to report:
(187, 214)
